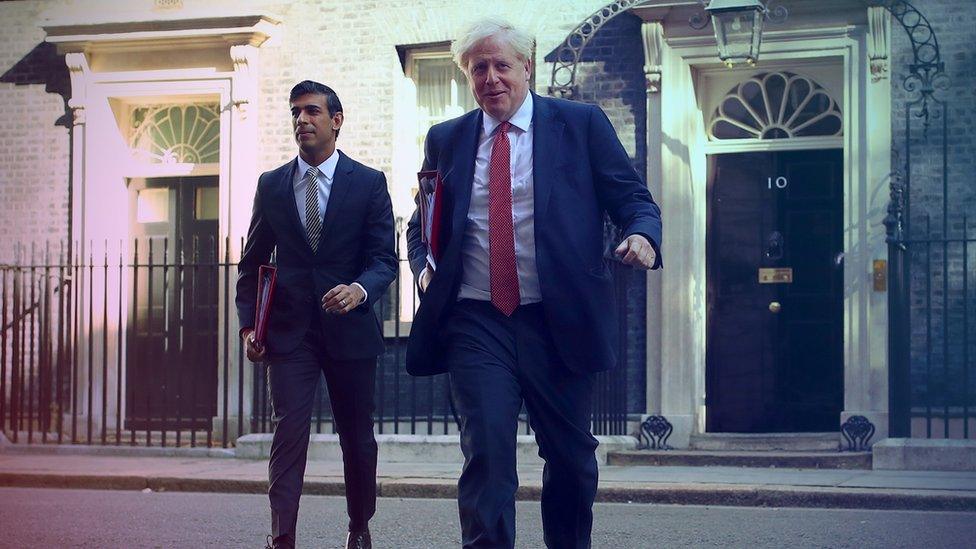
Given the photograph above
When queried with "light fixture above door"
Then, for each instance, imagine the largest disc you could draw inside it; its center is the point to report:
(738, 26)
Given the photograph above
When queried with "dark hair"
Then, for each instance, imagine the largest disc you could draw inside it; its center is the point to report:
(306, 87)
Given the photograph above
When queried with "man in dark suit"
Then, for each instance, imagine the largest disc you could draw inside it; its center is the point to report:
(521, 306)
(330, 221)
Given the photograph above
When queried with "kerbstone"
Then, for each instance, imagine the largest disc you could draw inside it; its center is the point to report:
(416, 448)
(925, 454)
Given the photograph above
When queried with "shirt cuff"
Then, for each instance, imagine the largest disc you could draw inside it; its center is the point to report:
(365, 293)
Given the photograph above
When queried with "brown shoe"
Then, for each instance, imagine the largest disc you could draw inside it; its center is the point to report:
(359, 540)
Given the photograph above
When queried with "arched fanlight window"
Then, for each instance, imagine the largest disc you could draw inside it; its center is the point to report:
(776, 105)
(185, 133)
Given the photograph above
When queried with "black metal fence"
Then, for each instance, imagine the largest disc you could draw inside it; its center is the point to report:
(136, 344)
(931, 251)
(933, 292)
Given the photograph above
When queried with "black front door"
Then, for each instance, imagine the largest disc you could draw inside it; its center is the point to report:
(774, 360)
(172, 330)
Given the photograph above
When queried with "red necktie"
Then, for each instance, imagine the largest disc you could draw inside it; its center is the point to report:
(503, 271)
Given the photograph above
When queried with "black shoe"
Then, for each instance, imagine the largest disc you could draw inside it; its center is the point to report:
(359, 540)
(278, 543)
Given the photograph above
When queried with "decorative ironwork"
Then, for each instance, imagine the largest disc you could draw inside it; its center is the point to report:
(776, 14)
(894, 219)
(857, 431)
(562, 82)
(654, 433)
(700, 19)
(776, 105)
(926, 74)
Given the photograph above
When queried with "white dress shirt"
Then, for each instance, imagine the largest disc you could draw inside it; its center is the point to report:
(324, 179)
(475, 279)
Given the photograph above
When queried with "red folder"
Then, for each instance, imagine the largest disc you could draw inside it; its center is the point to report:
(266, 285)
(431, 208)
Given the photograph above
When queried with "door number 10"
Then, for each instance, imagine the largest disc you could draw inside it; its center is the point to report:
(780, 182)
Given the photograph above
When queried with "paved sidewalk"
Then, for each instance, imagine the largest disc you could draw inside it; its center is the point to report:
(827, 488)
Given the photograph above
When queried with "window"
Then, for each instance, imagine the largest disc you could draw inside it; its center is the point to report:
(432, 89)
(776, 105)
(442, 90)
(176, 133)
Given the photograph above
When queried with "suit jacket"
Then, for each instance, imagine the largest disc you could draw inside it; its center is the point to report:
(580, 172)
(357, 245)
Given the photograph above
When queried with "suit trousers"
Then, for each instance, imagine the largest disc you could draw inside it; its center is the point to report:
(496, 363)
(293, 379)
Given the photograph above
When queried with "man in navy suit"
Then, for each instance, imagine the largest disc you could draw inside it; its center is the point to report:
(521, 306)
(330, 222)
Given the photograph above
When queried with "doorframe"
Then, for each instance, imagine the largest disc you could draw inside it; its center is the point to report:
(101, 185)
(682, 138)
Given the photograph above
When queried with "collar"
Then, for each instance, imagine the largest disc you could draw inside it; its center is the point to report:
(326, 168)
(522, 118)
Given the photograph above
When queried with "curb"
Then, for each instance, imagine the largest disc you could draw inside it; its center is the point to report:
(706, 458)
(670, 494)
(114, 451)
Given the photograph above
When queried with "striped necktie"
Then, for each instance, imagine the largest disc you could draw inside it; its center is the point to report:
(313, 225)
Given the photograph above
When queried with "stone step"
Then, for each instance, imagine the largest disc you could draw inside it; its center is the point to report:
(767, 442)
(713, 458)
(417, 448)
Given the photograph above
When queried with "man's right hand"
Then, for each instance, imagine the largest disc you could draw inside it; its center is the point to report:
(256, 352)
(425, 276)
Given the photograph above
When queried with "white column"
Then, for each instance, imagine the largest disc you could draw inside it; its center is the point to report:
(238, 182)
(652, 33)
(683, 278)
(79, 72)
(866, 371)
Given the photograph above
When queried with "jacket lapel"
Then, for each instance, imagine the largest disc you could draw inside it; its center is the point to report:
(459, 176)
(286, 193)
(546, 141)
(341, 181)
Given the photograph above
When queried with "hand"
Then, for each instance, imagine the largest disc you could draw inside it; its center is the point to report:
(342, 299)
(636, 251)
(256, 352)
(425, 276)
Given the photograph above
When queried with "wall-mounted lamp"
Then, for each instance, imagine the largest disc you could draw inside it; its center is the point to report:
(738, 26)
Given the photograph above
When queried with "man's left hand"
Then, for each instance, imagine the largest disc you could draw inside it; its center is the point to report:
(342, 299)
(636, 251)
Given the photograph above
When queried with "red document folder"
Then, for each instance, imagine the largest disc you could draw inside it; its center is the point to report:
(262, 312)
(431, 207)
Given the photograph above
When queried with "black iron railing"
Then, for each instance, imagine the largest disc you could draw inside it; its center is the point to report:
(932, 253)
(137, 344)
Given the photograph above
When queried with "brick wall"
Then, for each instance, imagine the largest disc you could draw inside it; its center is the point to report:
(34, 143)
(940, 300)
(612, 76)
